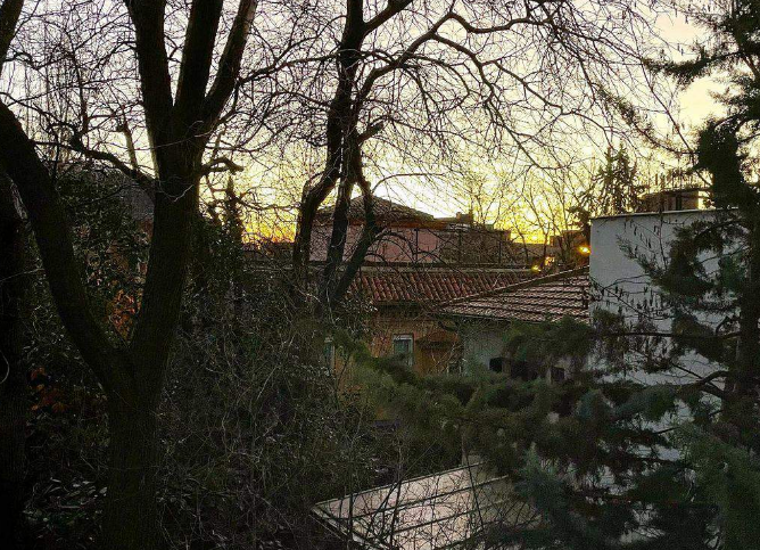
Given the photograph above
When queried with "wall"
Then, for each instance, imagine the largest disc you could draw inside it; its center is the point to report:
(481, 342)
(414, 244)
(619, 284)
(404, 245)
(484, 340)
(434, 347)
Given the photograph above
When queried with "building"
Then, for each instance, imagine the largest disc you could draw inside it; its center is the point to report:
(673, 200)
(614, 281)
(405, 302)
(621, 285)
(414, 237)
(418, 263)
(482, 320)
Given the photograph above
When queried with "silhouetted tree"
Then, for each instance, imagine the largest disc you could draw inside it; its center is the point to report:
(13, 403)
(179, 122)
(409, 80)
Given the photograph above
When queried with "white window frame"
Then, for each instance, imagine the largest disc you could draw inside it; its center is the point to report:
(405, 338)
(329, 345)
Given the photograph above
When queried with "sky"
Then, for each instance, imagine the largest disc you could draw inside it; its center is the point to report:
(695, 105)
(696, 101)
(446, 197)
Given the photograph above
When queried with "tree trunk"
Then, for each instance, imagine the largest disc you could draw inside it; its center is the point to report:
(178, 129)
(13, 405)
(131, 514)
(740, 409)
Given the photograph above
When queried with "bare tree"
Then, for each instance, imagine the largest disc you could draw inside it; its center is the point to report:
(178, 122)
(414, 81)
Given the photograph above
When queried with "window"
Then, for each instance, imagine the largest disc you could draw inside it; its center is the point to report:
(329, 353)
(497, 364)
(403, 345)
(558, 374)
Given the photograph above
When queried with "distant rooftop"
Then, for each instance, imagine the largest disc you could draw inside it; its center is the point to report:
(385, 210)
(426, 285)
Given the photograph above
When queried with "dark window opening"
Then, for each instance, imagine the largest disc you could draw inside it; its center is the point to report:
(497, 364)
(521, 370)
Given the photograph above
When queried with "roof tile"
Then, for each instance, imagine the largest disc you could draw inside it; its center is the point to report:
(392, 286)
(543, 299)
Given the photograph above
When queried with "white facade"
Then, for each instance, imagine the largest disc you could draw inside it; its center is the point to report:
(620, 284)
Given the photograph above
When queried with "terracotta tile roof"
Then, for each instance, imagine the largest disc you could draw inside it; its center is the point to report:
(426, 285)
(542, 299)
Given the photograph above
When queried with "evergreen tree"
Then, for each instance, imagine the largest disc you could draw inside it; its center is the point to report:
(618, 187)
(665, 465)
(620, 455)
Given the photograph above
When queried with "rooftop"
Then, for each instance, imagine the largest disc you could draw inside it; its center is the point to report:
(426, 285)
(448, 509)
(550, 298)
(684, 212)
(385, 211)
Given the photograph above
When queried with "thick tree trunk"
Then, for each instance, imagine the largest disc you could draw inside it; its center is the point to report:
(13, 405)
(341, 121)
(178, 129)
(131, 516)
(131, 520)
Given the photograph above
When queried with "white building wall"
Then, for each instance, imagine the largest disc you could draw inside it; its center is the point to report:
(620, 285)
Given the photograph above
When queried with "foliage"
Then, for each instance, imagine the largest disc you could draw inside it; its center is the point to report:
(616, 188)
(67, 439)
(254, 430)
(659, 446)
(618, 185)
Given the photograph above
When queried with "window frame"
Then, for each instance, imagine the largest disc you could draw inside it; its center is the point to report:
(406, 337)
(329, 347)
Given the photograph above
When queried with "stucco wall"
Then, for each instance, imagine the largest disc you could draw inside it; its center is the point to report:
(402, 245)
(481, 342)
(619, 283)
(434, 348)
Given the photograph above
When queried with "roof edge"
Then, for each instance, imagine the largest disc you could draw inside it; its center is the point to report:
(658, 213)
(518, 286)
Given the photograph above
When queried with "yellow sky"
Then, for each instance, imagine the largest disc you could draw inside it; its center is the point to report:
(694, 105)
(696, 101)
